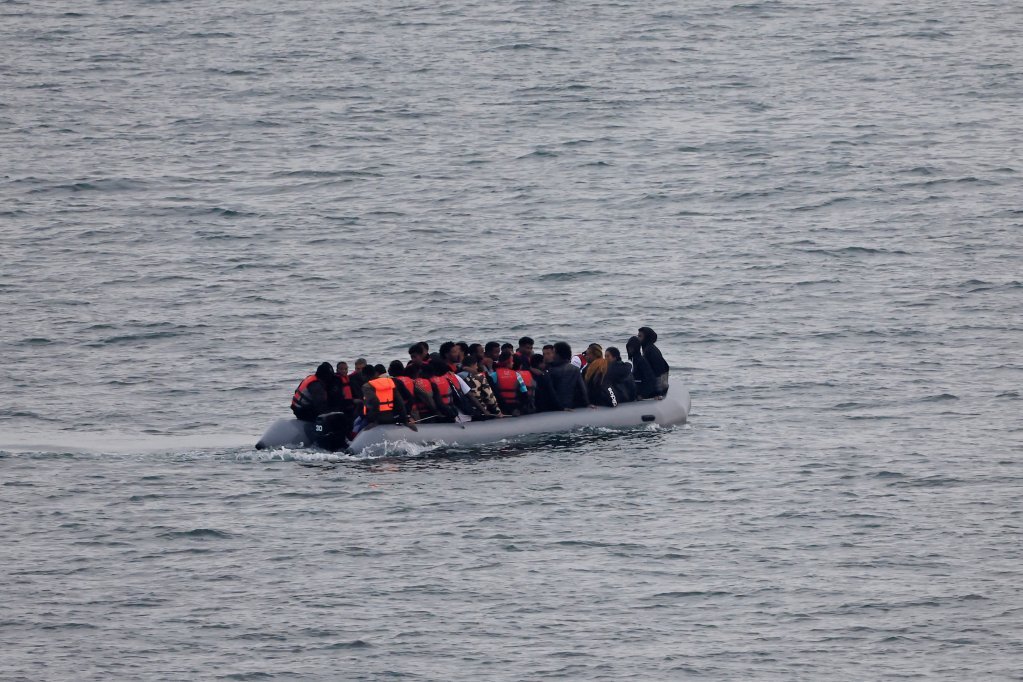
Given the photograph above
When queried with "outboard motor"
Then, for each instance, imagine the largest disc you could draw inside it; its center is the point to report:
(331, 431)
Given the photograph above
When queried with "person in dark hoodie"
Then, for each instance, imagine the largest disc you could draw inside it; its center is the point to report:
(567, 388)
(646, 383)
(648, 339)
(618, 377)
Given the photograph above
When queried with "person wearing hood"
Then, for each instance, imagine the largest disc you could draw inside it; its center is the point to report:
(647, 340)
(643, 376)
(318, 394)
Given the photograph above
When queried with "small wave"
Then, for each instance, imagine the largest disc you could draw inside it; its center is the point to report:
(198, 534)
(939, 398)
(570, 276)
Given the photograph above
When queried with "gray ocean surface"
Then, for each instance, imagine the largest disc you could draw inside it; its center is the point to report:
(817, 205)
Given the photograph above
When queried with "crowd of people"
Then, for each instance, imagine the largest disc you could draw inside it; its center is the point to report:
(477, 381)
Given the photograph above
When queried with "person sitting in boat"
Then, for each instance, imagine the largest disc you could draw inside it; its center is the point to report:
(652, 354)
(356, 379)
(451, 352)
(417, 400)
(491, 353)
(524, 353)
(646, 383)
(548, 355)
(567, 388)
(522, 367)
(512, 393)
(416, 354)
(317, 394)
(453, 394)
(384, 402)
(619, 377)
(594, 374)
(480, 386)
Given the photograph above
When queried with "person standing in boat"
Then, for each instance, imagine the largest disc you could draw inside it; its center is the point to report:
(648, 339)
(646, 383)
(524, 353)
(567, 388)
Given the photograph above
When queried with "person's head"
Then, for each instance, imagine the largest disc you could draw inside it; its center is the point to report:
(507, 346)
(396, 368)
(647, 336)
(526, 345)
(548, 354)
(505, 358)
(325, 371)
(360, 364)
(413, 371)
(342, 368)
(425, 370)
(562, 350)
(380, 370)
(416, 352)
(594, 352)
(632, 346)
(537, 361)
(475, 350)
(612, 354)
(463, 350)
(471, 363)
(492, 350)
(449, 351)
(438, 366)
(369, 372)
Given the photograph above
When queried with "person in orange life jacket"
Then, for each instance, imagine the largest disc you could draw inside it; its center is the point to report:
(480, 386)
(567, 388)
(619, 376)
(383, 402)
(512, 393)
(646, 383)
(317, 394)
(524, 353)
(455, 393)
(647, 339)
(416, 399)
(523, 369)
(423, 405)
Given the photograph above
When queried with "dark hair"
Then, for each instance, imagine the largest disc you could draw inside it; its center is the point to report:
(360, 360)
(369, 371)
(325, 370)
(470, 360)
(464, 346)
(438, 366)
(415, 349)
(413, 370)
(536, 361)
(551, 346)
(426, 347)
(649, 335)
(380, 369)
(632, 346)
(396, 368)
(505, 356)
(615, 353)
(445, 348)
(507, 346)
(525, 341)
(517, 363)
(475, 349)
(491, 345)
(424, 370)
(563, 350)
(339, 364)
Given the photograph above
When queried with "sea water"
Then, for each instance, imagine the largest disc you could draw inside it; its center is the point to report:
(816, 205)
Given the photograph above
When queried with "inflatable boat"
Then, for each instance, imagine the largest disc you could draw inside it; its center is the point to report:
(672, 410)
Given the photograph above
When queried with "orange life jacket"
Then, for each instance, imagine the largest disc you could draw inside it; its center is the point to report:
(346, 386)
(444, 388)
(426, 387)
(508, 386)
(302, 398)
(384, 389)
(527, 378)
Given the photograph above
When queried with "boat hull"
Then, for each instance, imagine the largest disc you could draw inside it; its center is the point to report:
(672, 410)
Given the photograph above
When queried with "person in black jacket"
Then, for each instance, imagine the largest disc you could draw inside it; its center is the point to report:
(567, 388)
(619, 376)
(647, 340)
(646, 383)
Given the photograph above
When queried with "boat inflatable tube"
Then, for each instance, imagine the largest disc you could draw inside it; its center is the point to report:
(671, 411)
